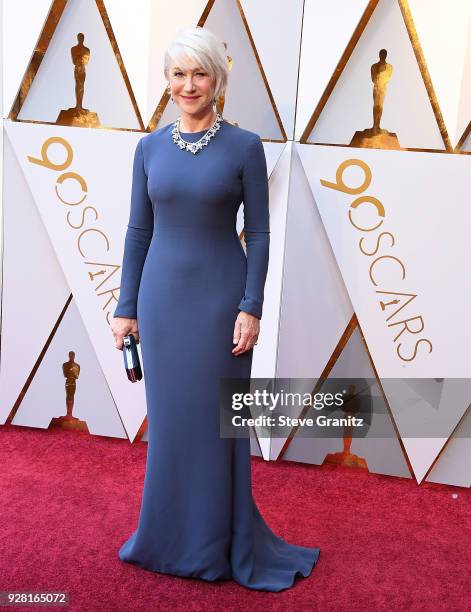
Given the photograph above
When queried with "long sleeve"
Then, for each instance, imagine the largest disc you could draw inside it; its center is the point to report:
(256, 227)
(138, 237)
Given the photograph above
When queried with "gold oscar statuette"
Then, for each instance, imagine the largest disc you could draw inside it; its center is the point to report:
(377, 137)
(345, 457)
(71, 372)
(78, 116)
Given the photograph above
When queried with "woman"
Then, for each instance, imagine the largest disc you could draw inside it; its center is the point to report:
(190, 293)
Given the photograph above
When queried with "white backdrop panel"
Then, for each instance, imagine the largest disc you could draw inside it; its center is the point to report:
(53, 88)
(104, 160)
(350, 105)
(454, 464)
(422, 195)
(131, 23)
(279, 61)
(315, 308)
(247, 100)
(444, 32)
(264, 358)
(1, 155)
(383, 454)
(424, 291)
(34, 287)
(93, 402)
(265, 353)
(327, 29)
(20, 36)
(165, 21)
(440, 404)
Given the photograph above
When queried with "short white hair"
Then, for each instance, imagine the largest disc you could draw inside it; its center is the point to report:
(203, 47)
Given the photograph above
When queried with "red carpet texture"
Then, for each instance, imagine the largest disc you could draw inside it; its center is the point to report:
(69, 500)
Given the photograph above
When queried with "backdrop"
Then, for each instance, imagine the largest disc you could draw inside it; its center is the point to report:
(364, 109)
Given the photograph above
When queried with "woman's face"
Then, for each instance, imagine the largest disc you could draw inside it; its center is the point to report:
(192, 88)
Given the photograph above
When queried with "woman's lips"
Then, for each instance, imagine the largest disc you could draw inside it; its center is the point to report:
(189, 97)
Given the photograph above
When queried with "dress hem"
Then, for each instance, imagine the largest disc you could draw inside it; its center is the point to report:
(171, 570)
(165, 568)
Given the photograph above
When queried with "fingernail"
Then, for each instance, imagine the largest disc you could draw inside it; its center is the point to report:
(234, 341)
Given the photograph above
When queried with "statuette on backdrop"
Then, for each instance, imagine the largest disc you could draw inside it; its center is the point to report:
(71, 373)
(351, 408)
(376, 137)
(221, 99)
(79, 116)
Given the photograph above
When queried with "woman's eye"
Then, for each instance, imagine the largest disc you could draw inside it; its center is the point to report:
(201, 74)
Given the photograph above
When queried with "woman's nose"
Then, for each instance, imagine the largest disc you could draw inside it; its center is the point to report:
(189, 84)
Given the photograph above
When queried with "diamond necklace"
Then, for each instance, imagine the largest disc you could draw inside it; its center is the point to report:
(194, 147)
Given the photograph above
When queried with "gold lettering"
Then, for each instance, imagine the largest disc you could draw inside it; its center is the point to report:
(373, 263)
(91, 229)
(80, 181)
(102, 271)
(112, 296)
(415, 349)
(83, 216)
(406, 326)
(412, 296)
(341, 186)
(378, 239)
(45, 161)
(370, 200)
(387, 303)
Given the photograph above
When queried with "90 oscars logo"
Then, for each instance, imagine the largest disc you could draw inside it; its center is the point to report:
(391, 302)
(77, 217)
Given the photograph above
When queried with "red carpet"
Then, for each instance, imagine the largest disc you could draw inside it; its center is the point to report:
(69, 500)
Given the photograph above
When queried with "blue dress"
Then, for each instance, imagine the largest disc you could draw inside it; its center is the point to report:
(185, 277)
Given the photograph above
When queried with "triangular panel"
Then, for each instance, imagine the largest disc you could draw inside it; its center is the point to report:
(89, 238)
(380, 450)
(64, 82)
(74, 383)
(29, 312)
(379, 88)
(248, 100)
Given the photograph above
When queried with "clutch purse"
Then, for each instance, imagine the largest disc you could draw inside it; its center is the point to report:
(132, 362)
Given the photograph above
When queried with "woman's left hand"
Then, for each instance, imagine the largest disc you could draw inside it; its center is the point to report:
(246, 330)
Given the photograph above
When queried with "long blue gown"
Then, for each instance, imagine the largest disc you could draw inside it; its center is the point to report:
(185, 277)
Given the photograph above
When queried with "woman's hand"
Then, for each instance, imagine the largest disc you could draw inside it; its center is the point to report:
(121, 327)
(246, 330)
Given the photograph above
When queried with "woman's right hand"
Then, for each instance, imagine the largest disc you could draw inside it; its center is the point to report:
(121, 327)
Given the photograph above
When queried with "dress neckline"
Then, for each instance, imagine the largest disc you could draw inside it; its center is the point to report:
(200, 131)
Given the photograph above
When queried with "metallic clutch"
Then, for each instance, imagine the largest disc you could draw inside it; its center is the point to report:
(131, 358)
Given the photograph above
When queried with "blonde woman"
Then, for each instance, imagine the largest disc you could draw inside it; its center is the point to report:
(195, 301)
